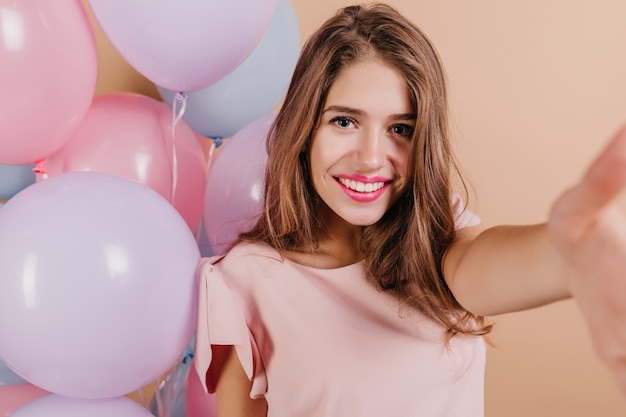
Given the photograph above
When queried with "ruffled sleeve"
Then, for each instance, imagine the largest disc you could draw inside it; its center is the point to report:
(462, 217)
(222, 321)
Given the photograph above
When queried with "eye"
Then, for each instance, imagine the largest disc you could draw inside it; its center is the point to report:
(343, 122)
(402, 130)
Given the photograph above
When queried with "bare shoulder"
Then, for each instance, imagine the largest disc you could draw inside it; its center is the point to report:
(463, 239)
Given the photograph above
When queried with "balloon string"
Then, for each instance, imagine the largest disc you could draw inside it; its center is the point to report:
(215, 143)
(181, 98)
(142, 398)
(40, 169)
(210, 155)
(171, 387)
(159, 383)
(177, 115)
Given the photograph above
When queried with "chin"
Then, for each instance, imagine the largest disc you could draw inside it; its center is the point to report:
(363, 221)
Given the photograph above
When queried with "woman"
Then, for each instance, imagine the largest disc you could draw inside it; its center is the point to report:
(362, 288)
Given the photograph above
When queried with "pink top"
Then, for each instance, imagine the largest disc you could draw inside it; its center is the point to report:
(325, 342)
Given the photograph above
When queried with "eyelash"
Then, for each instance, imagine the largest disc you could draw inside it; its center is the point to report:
(408, 129)
(338, 119)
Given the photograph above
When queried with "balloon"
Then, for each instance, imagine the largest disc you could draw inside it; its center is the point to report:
(197, 402)
(7, 376)
(254, 88)
(235, 185)
(97, 296)
(131, 135)
(203, 241)
(13, 397)
(184, 45)
(14, 178)
(47, 76)
(59, 406)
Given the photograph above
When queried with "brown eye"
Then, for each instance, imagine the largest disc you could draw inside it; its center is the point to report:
(402, 130)
(342, 121)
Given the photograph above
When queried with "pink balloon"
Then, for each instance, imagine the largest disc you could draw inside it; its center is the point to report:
(184, 45)
(234, 188)
(58, 406)
(48, 71)
(197, 402)
(97, 285)
(131, 135)
(14, 397)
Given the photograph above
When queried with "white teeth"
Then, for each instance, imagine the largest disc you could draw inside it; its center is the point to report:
(362, 187)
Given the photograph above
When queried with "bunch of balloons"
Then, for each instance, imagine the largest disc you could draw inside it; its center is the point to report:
(107, 197)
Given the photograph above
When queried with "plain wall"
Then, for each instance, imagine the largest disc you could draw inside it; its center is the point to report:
(537, 88)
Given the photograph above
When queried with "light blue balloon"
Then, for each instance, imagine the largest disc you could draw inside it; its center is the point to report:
(171, 393)
(14, 178)
(252, 90)
(7, 376)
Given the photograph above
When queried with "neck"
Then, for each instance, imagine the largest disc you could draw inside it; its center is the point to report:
(339, 246)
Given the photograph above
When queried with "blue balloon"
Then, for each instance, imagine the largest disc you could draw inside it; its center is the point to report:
(7, 376)
(252, 90)
(14, 178)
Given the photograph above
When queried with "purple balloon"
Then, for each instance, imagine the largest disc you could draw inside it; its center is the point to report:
(184, 45)
(58, 406)
(97, 285)
(254, 88)
(235, 185)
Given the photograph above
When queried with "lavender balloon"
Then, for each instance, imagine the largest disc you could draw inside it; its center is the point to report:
(235, 184)
(58, 406)
(97, 285)
(254, 88)
(184, 45)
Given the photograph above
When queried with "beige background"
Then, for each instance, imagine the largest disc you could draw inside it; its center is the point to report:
(537, 89)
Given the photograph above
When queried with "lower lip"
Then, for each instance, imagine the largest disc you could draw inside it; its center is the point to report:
(364, 197)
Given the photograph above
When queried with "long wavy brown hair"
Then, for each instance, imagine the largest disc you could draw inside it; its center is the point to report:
(403, 251)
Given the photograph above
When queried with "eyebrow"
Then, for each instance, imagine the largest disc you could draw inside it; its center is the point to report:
(350, 110)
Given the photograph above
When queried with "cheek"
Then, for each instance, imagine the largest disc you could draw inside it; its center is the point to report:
(321, 155)
(314, 160)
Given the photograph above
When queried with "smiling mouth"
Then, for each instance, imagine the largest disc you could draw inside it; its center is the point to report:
(361, 187)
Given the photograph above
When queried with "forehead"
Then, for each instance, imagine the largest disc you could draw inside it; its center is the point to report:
(373, 86)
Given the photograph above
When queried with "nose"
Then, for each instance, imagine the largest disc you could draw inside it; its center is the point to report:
(370, 154)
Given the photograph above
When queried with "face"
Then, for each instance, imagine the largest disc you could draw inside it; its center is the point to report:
(359, 153)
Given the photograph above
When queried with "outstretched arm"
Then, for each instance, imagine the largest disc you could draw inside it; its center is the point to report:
(505, 269)
(581, 251)
(512, 268)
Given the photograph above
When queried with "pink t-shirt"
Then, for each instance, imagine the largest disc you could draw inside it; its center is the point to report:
(327, 343)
